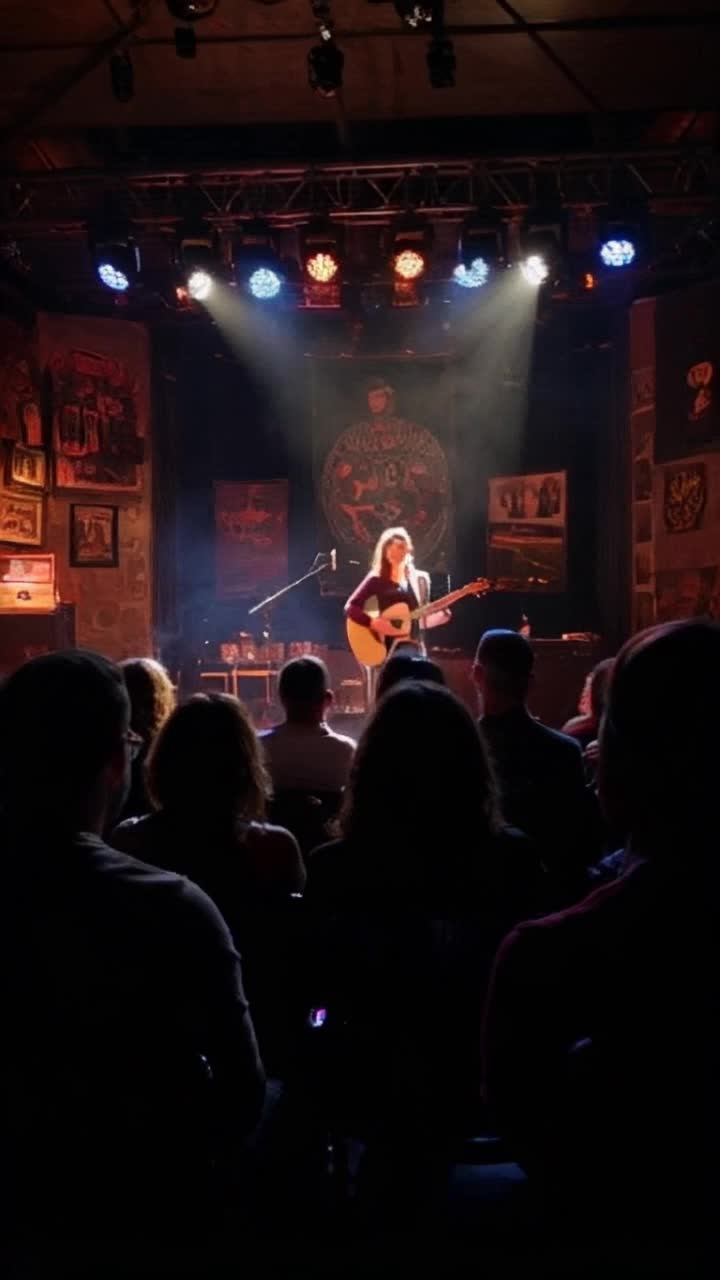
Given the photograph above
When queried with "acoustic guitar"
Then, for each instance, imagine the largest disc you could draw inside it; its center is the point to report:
(371, 650)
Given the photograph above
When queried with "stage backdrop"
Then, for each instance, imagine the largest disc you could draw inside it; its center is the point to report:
(383, 432)
(251, 522)
(527, 521)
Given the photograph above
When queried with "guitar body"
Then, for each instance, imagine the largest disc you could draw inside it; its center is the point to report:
(369, 649)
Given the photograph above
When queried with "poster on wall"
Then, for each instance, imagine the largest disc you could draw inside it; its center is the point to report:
(251, 526)
(684, 497)
(20, 384)
(21, 519)
(688, 593)
(382, 445)
(97, 427)
(687, 343)
(527, 527)
(93, 536)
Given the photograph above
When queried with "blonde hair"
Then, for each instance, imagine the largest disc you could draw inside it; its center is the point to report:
(152, 695)
(379, 565)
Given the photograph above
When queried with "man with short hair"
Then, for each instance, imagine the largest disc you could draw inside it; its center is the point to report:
(540, 771)
(130, 1068)
(304, 753)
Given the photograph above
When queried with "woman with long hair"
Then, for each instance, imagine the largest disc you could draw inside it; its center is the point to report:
(408, 909)
(393, 579)
(209, 789)
(152, 700)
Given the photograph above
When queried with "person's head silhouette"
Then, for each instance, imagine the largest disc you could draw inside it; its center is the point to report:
(659, 737)
(65, 742)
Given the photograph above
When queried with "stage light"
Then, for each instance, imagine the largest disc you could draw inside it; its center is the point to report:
(264, 283)
(200, 285)
(413, 14)
(191, 10)
(408, 264)
(112, 278)
(535, 269)
(617, 253)
(474, 276)
(197, 255)
(122, 76)
(322, 267)
(325, 68)
(117, 260)
(441, 63)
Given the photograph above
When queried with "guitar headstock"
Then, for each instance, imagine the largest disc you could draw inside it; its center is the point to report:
(479, 587)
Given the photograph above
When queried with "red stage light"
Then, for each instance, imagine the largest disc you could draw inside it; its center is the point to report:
(409, 264)
(322, 267)
(589, 281)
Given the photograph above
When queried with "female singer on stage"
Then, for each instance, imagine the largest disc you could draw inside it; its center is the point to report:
(392, 578)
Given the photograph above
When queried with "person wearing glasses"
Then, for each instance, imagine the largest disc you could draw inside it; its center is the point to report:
(123, 999)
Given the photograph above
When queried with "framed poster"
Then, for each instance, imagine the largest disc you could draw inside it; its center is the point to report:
(21, 519)
(27, 467)
(251, 528)
(93, 536)
(527, 526)
(97, 426)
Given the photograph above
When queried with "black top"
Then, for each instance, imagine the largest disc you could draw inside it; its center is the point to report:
(543, 791)
(402, 965)
(602, 1044)
(122, 996)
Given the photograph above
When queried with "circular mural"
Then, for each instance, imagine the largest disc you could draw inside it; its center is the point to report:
(387, 471)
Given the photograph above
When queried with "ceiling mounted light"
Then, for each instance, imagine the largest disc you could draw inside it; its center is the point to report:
(473, 276)
(441, 62)
(122, 76)
(325, 68)
(191, 10)
(413, 13)
(535, 269)
(542, 244)
(264, 283)
(197, 254)
(116, 255)
(617, 253)
(258, 268)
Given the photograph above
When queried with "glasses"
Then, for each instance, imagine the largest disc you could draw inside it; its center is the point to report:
(134, 742)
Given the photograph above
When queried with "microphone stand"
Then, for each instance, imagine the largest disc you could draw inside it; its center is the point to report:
(321, 562)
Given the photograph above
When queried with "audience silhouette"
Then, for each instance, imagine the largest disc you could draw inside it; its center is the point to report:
(417, 997)
(130, 1071)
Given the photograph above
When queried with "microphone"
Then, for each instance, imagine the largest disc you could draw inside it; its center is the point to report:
(333, 560)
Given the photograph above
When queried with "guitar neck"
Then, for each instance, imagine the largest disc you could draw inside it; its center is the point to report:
(436, 606)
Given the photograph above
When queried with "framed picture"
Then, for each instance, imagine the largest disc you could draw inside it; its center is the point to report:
(21, 519)
(93, 536)
(27, 467)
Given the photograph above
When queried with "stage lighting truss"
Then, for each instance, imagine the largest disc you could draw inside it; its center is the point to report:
(116, 257)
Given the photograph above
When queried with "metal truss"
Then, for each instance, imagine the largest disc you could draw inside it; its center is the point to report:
(671, 181)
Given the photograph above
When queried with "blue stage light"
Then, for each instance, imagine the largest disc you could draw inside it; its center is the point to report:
(617, 253)
(474, 276)
(264, 283)
(112, 277)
